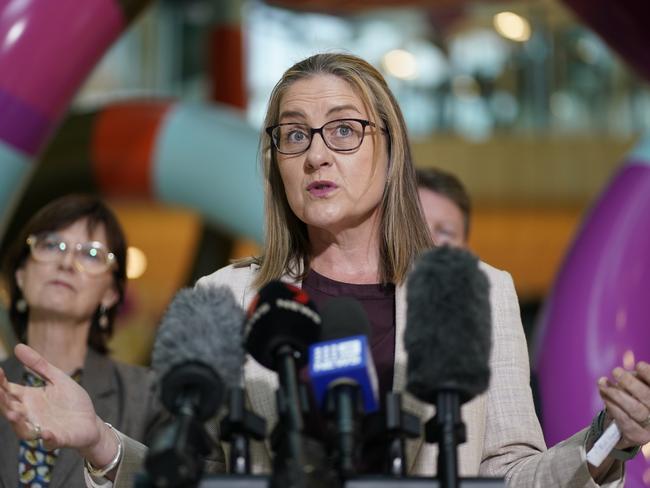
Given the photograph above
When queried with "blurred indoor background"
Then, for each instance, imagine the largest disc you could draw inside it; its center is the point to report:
(531, 108)
(526, 104)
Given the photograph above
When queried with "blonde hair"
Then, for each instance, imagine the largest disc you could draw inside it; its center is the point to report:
(403, 232)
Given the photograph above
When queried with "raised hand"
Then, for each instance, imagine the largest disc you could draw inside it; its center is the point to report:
(627, 398)
(61, 413)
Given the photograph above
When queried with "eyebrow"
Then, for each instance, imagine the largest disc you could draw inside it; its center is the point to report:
(333, 110)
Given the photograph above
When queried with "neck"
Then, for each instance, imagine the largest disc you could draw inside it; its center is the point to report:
(351, 256)
(64, 344)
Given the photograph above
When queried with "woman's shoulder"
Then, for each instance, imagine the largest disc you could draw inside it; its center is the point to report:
(495, 276)
(229, 275)
(238, 277)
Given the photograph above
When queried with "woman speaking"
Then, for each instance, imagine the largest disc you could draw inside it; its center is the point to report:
(343, 219)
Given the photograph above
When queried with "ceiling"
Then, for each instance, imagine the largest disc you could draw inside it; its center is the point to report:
(622, 24)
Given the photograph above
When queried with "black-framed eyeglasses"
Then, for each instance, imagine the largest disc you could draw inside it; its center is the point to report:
(341, 135)
(92, 257)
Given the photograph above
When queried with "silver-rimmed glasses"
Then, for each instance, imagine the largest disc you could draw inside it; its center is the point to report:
(92, 257)
(341, 135)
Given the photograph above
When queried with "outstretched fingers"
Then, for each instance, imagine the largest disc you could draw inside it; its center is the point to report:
(34, 361)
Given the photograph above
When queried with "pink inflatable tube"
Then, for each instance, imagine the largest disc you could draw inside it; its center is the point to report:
(598, 316)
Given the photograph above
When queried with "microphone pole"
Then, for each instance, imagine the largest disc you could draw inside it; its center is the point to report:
(282, 323)
(399, 425)
(237, 428)
(448, 430)
(345, 404)
(291, 411)
(343, 376)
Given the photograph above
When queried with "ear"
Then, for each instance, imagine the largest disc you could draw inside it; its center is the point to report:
(110, 297)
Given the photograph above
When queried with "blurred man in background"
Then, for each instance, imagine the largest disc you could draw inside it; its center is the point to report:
(446, 206)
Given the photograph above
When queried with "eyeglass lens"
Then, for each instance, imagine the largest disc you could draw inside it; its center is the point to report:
(342, 135)
(92, 257)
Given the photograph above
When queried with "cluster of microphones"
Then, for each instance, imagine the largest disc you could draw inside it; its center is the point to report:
(200, 351)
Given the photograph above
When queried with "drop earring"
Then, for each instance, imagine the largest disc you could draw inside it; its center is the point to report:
(103, 318)
(21, 305)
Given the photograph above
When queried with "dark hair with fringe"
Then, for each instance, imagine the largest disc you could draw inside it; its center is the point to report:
(58, 215)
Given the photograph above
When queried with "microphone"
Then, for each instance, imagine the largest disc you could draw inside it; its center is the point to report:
(197, 356)
(448, 341)
(343, 375)
(282, 317)
(282, 324)
(604, 445)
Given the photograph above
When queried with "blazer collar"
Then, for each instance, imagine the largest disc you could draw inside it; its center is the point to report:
(409, 403)
(97, 379)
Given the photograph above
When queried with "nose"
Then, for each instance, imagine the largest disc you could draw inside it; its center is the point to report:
(67, 259)
(318, 154)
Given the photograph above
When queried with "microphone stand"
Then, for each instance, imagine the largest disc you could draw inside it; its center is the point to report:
(291, 421)
(448, 430)
(400, 425)
(344, 405)
(238, 427)
(176, 453)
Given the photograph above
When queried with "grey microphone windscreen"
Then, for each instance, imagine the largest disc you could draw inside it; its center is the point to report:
(448, 335)
(202, 327)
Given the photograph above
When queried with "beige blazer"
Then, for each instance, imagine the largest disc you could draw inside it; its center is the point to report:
(504, 438)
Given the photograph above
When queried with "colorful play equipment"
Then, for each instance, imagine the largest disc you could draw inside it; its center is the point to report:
(204, 157)
(597, 315)
(195, 155)
(46, 51)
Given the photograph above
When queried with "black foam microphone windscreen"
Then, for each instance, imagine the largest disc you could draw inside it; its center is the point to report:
(449, 327)
(343, 317)
(199, 347)
(281, 315)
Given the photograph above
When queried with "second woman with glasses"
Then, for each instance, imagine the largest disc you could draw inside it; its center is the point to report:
(66, 276)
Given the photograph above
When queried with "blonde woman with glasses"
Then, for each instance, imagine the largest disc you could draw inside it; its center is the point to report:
(67, 275)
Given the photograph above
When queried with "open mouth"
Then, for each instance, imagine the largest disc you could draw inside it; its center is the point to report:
(321, 185)
(319, 188)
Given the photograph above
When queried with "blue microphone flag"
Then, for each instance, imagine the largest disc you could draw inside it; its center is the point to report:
(347, 360)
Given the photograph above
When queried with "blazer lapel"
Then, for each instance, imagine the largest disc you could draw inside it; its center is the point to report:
(10, 444)
(410, 403)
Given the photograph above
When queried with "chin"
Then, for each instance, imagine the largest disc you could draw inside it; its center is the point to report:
(57, 309)
(325, 222)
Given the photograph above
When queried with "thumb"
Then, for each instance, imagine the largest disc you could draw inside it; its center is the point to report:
(34, 361)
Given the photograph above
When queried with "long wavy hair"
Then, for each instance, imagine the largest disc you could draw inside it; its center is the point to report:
(403, 231)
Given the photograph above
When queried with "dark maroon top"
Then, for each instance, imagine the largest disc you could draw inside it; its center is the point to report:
(378, 301)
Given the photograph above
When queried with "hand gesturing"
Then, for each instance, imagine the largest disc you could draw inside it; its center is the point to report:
(61, 413)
